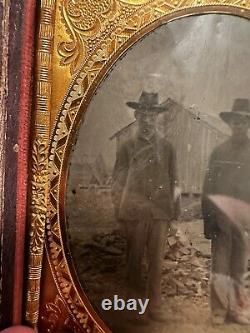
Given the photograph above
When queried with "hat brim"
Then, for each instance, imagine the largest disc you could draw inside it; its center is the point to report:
(138, 106)
(227, 116)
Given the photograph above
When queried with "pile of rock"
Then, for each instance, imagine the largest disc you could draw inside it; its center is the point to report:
(185, 269)
(104, 253)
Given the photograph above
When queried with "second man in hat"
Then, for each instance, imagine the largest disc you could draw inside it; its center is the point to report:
(226, 193)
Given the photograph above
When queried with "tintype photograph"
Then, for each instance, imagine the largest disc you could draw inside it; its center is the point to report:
(158, 187)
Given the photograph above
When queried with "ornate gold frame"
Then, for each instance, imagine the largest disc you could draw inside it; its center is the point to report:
(78, 40)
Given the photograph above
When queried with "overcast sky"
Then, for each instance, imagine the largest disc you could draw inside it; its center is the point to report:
(202, 61)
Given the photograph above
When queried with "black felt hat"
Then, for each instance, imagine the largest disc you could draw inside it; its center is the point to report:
(148, 102)
(241, 108)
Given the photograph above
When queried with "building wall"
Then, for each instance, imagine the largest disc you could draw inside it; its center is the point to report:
(194, 141)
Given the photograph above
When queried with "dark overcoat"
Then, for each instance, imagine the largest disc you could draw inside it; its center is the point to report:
(228, 174)
(144, 179)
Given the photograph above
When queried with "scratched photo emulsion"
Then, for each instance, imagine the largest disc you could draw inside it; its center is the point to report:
(158, 187)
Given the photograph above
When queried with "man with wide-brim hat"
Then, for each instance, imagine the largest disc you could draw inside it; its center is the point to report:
(228, 176)
(240, 111)
(148, 102)
(143, 192)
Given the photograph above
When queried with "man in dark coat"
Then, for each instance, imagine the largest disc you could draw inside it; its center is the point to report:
(144, 192)
(228, 177)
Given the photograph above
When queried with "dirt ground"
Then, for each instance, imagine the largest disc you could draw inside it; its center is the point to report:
(101, 271)
(184, 315)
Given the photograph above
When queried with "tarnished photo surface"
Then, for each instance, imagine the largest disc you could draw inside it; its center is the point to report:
(158, 188)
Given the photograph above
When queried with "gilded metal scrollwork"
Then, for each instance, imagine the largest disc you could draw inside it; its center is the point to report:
(50, 314)
(37, 225)
(83, 19)
(38, 205)
(39, 164)
(97, 33)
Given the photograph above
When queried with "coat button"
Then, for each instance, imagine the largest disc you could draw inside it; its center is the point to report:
(149, 198)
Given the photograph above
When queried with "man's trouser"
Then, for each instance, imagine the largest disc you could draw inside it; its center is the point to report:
(146, 236)
(229, 264)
